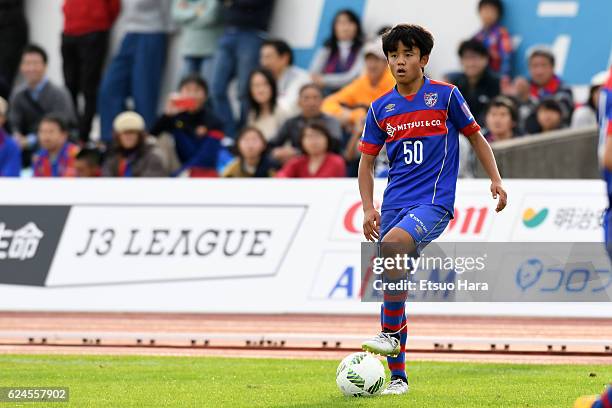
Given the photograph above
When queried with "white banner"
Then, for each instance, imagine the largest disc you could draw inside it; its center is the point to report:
(264, 246)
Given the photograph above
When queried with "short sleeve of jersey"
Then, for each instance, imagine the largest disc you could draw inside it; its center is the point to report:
(460, 115)
(372, 138)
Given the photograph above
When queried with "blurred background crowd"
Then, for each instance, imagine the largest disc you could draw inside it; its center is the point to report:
(279, 120)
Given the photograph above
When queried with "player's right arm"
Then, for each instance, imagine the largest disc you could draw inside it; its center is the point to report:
(372, 140)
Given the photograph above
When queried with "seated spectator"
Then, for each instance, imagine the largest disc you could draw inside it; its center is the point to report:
(252, 160)
(10, 155)
(264, 112)
(132, 154)
(85, 41)
(287, 142)
(276, 56)
(549, 115)
(136, 70)
(339, 61)
(201, 24)
(588, 114)
(35, 99)
(317, 160)
(500, 119)
(543, 84)
(57, 156)
(350, 104)
(195, 129)
(476, 83)
(496, 39)
(88, 163)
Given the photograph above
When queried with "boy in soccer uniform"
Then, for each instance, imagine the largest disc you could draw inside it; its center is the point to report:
(605, 152)
(419, 120)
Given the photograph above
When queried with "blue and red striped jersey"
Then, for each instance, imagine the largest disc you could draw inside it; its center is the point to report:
(605, 128)
(421, 133)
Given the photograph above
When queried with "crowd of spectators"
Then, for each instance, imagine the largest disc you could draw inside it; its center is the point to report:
(280, 121)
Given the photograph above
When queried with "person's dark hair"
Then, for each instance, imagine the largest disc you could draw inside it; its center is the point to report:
(410, 35)
(56, 118)
(474, 46)
(543, 53)
(194, 79)
(281, 47)
(332, 41)
(92, 156)
(36, 49)
(383, 30)
(321, 128)
(592, 92)
(310, 85)
(271, 82)
(504, 102)
(550, 104)
(494, 3)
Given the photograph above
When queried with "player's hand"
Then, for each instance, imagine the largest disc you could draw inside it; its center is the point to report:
(498, 190)
(371, 224)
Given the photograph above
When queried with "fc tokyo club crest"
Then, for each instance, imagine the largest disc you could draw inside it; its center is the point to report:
(430, 99)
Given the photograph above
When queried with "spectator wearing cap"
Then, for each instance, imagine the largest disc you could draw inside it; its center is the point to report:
(202, 25)
(277, 57)
(36, 98)
(543, 84)
(340, 60)
(10, 154)
(286, 144)
(350, 104)
(13, 38)
(549, 117)
(501, 119)
(132, 155)
(84, 45)
(196, 131)
(318, 160)
(252, 156)
(237, 54)
(137, 68)
(57, 156)
(88, 163)
(476, 82)
(495, 39)
(587, 115)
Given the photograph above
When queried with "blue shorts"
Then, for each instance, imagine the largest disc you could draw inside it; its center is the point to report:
(424, 222)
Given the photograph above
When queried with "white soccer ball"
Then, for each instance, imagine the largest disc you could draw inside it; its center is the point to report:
(360, 375)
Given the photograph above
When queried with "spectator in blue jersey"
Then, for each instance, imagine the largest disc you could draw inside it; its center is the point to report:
(477, 83)
(277, 57)
(252, 159)
(88, 163)
(587, 115)
(201, 24)
(501, 119)
(196, 131)
(339, 61)
(10, 154)
(137, 68)
(133, 153)
(56, 156)
(237, 54)
(496, 39)
(543, 84)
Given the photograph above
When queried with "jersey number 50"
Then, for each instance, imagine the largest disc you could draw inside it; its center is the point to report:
(413, 152)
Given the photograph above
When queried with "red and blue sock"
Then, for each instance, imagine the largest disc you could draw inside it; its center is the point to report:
(393, 319)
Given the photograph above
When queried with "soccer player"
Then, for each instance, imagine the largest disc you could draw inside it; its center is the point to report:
(419, 120)
(605, 152)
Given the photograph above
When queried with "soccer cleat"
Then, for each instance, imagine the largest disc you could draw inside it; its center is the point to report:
(383, 344)
(396, 387)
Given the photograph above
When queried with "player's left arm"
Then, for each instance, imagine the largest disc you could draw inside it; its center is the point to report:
(460, 115)
(487, 159)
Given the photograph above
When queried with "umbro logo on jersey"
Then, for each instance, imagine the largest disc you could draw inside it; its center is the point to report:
(390, 107)
(430, 98)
